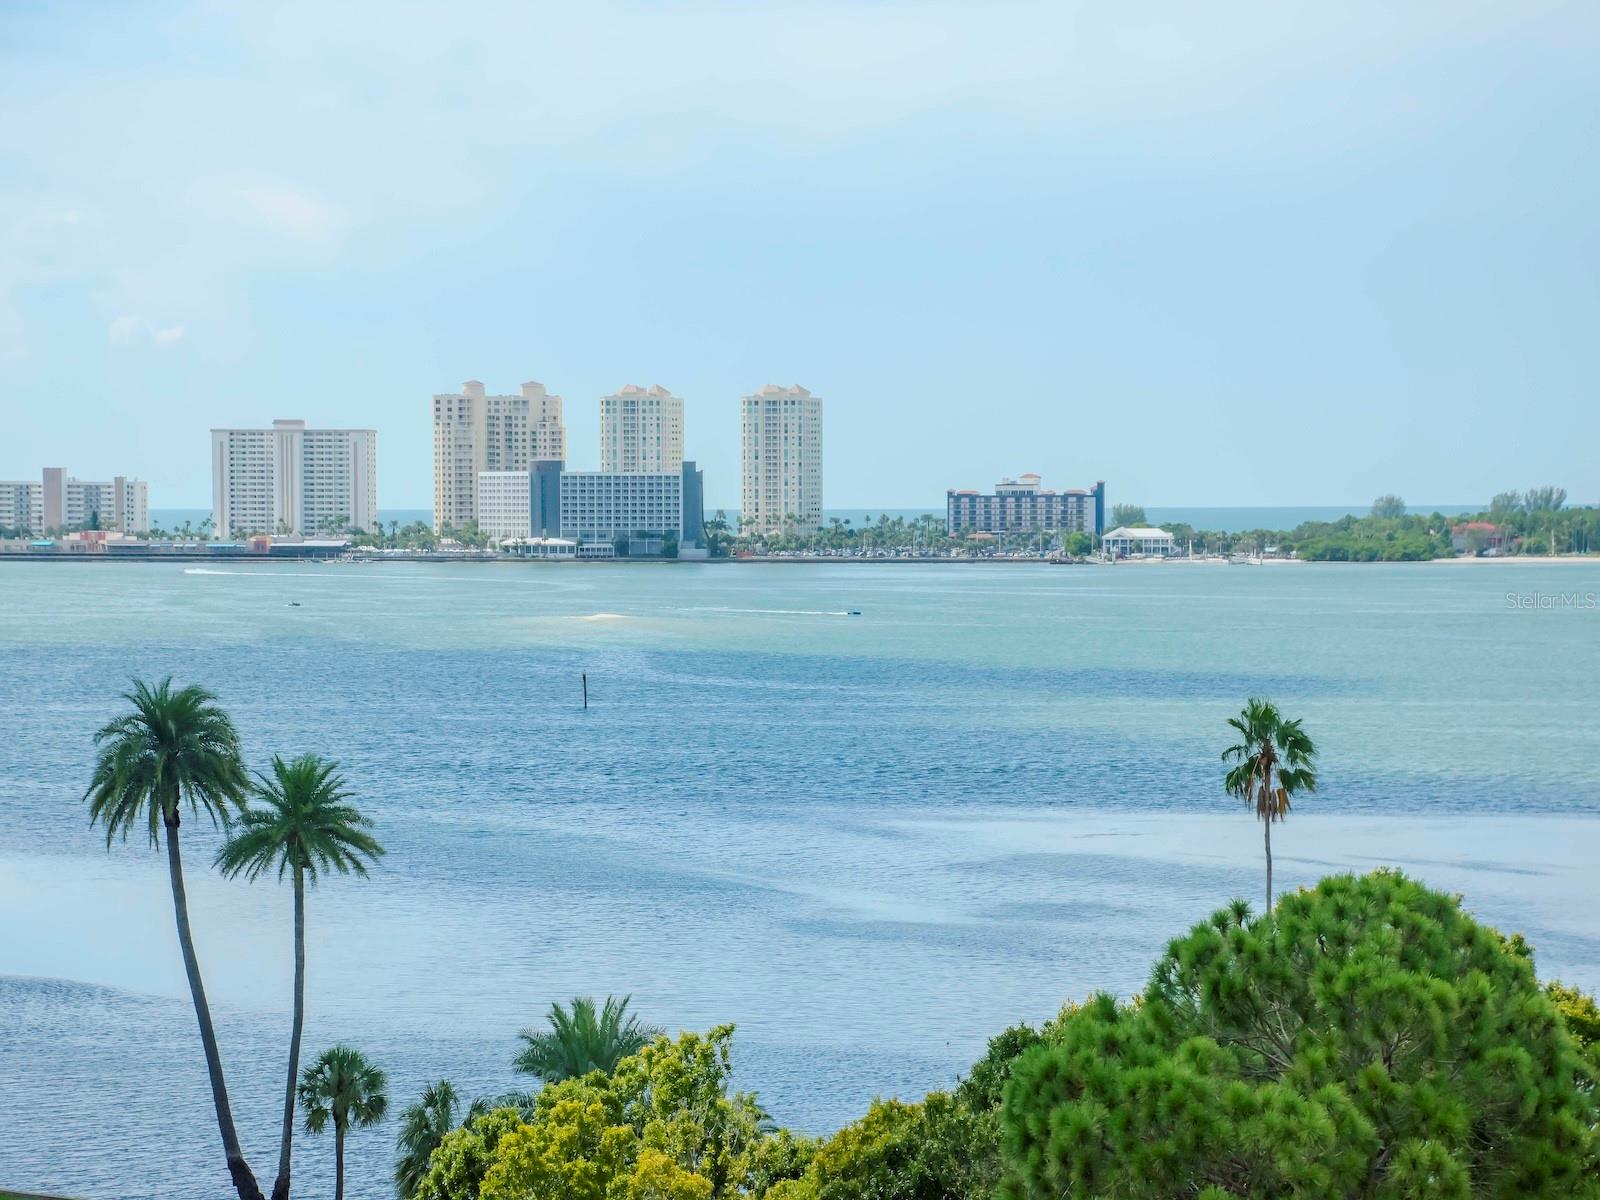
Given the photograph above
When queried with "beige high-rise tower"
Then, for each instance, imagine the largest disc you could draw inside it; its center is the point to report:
(474, 432)
(293, 479)
(782, 450)
(641, 430)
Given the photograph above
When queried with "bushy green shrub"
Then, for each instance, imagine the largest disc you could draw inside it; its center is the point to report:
(1365, 1039)
(662, 1126)
(938, 1149)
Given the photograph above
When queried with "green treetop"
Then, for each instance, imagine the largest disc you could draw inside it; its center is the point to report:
(1366, 1039)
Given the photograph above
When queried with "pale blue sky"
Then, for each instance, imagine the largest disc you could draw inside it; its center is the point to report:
(1239, 254)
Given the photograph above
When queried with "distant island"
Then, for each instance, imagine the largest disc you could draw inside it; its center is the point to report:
(1535, 523)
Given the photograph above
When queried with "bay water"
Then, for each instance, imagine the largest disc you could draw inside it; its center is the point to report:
(871, 841)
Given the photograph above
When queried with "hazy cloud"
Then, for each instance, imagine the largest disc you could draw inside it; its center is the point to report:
(1155, 206)
(136, 331)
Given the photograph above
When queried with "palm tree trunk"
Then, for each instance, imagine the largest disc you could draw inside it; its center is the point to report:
(280, 1186)
(243, 1181)
(338, 1162)
(1266, 827)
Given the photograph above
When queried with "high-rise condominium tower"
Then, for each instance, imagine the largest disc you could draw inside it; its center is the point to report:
(473, 432)
(290, 479)
(782, 444)
(641, 430)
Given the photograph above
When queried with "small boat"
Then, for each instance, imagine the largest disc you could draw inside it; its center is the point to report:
(854, 612)
(294, 604)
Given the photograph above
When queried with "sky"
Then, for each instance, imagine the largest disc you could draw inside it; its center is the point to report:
(1244, 254)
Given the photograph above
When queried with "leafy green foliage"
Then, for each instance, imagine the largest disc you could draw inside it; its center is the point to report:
(1579, 1011)
(939, 1149)
(947, 1147)
(582, 1039)
(424, 1124)
(1365, 1039)
(1388, 507)
(985, 1083)
(456, 1169)
(662, 1126)
(1128, 514)
(675, 1093)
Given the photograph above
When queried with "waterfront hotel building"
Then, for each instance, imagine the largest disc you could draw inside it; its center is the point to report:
(595, 508)
(474, 432)
(1021, 506)
(290, 479)
(57, 501)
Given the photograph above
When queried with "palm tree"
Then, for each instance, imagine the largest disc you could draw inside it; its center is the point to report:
(1274, 761)
(344, 1087)
(582, 1040)
(304, 827)
(175, 747)
(423, 1125)
(526, 1103)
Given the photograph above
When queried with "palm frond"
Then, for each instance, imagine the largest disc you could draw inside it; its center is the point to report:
(304, 821)
(175, 747)
(1273, 764)
(423, 1125)
(341, 1086)
(581, 1039)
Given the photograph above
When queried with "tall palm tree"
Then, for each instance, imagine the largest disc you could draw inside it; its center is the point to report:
(342, 1087)
(305, 827)
(1274, 761)
(176, 747)
(582, 1039)
(423, 1125)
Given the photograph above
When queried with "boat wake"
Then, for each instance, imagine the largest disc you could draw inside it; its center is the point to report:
(255, 574)
(781, 612)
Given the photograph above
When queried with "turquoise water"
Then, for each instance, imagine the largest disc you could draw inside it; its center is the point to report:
(872, 841)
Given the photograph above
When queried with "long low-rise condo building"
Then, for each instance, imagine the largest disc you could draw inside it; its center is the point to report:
(291, 479)
(58, 501)
(595, 508)
(1021, 505)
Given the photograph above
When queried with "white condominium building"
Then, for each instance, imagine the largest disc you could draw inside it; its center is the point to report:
(293, 480)
(59, 501)
(782, 447)
(502, 505)
(474, 432)
(641, 430)
(18, 504)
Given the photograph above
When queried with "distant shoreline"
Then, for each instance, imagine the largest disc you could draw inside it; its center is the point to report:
(206, 557)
